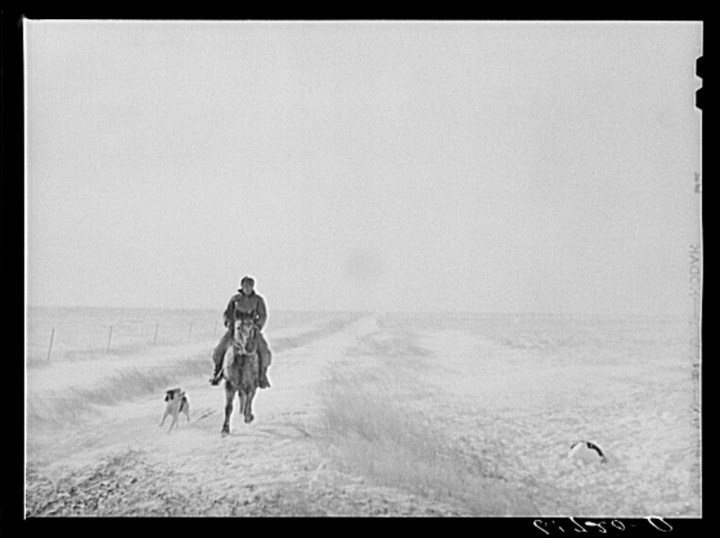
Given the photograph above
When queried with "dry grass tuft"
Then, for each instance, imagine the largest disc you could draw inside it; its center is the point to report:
(392, 445)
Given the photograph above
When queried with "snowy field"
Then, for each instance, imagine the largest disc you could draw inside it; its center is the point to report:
(368, 415)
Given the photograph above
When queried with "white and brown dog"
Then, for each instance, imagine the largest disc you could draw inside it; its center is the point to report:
(177, 402)
(587, 452)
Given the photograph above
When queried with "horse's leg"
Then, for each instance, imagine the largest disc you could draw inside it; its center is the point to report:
(250, 389)
(243, 402)
(249, 417)
(229, 395)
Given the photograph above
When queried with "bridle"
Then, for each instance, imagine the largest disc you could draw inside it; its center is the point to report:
(240, 344)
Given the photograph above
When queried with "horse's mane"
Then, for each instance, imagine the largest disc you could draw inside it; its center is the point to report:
(252, 344)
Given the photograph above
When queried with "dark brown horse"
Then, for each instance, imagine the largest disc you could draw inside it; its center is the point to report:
(241, 370)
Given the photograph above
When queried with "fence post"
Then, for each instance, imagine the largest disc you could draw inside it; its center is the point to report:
(190, 331)
(109, 337)
(157, 325)
(52, 337)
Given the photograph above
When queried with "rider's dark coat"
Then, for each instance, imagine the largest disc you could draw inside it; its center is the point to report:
(246, 304)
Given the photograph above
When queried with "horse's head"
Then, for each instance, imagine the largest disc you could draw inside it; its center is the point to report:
(244, 331)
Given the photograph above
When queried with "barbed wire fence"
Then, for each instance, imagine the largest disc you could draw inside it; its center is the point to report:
(54, 343)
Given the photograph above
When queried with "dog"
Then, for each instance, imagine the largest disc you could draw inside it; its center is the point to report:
(177, 402)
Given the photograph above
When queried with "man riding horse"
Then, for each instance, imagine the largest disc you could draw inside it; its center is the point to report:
(246, 302)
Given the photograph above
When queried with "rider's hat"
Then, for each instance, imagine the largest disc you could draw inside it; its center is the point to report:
(249, 279)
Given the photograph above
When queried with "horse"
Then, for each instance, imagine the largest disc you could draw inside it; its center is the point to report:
(241, 370)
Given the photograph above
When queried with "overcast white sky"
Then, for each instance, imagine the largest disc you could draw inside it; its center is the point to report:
(404, 166)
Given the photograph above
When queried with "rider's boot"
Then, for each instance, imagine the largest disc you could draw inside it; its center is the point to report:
(264, 383)
(217, 376)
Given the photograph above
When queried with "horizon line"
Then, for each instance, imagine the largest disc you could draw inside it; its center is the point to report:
(368, 311)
